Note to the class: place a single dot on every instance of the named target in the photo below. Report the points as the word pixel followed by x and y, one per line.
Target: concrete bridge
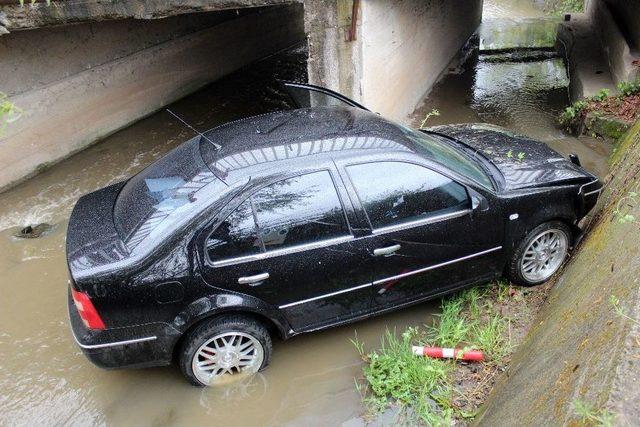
pixel 84 69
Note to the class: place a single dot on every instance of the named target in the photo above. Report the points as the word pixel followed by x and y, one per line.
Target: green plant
pixel 394 373
pixel 590 416
pixel 433 113
pixel 426 387
pixel 628 88
pixel 9 113
pixel 621 211
pixel 558 7
pixel 602 95
pixel 615 302
pixel 572 111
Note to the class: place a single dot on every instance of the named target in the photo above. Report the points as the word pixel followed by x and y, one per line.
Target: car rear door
pixel 290 244
pixel 427 234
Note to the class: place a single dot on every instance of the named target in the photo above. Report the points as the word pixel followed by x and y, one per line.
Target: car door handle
pixel 386 251
pixel 253 280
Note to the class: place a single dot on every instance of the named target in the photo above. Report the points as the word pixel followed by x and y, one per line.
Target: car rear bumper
pixel 131 347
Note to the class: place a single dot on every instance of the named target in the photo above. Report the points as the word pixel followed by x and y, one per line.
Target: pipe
pixel 449 353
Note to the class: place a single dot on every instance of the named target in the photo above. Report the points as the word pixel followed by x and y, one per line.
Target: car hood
pixel 92 239
pixel 522 161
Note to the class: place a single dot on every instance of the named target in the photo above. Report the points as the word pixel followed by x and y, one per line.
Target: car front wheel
pixel 224 349
pixel 540 254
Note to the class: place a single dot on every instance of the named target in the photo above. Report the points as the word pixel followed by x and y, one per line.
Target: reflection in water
pixel 523 91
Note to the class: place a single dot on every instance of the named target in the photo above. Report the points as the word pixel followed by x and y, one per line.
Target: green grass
pixel 8 112
pixel 421 387
pixel 590 416
pixel 559 7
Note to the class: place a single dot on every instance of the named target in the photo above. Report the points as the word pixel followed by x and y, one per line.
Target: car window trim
pixel 284 251
pixel 419 222
pixel 408 224
pixel 278 252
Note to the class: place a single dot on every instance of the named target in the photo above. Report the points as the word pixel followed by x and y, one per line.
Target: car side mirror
pixel 478 201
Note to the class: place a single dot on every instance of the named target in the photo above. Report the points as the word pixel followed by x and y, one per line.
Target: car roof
pixel 260 143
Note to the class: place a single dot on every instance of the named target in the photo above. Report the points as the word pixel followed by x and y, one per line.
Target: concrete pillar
pixel 399 51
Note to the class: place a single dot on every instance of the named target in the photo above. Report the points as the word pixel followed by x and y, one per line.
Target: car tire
pixel 532 253
pixel 203 352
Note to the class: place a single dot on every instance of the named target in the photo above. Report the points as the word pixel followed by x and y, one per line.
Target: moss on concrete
pixel 581 348
pixel 605 126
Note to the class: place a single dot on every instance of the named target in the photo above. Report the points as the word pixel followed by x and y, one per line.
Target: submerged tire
pixel 540 254
pixel 224 349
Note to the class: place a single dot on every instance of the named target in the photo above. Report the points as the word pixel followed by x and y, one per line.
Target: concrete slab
pixel 588 65
pixel 585 344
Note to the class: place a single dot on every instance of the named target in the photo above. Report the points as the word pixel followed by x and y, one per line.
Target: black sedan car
pixel 300 220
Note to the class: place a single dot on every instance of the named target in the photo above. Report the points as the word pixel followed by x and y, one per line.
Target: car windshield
pixel 167 188
pixel 448 156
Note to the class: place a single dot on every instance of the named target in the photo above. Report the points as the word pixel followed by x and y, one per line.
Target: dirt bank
pixel 581 359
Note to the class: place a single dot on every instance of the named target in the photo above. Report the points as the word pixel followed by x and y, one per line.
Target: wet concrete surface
pixel 45 379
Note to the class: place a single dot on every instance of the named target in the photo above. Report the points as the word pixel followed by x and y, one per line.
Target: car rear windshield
pixel 166 188
pixel 448 156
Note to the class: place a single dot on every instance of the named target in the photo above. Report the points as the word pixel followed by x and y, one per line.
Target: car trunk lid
pixel 92 239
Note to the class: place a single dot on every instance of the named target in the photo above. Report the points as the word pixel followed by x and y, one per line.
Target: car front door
pixel 427 234
pixel 290 244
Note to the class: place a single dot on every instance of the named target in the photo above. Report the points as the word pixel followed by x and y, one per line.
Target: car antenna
pixel 218 146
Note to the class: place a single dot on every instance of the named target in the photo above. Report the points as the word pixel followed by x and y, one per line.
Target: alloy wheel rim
pixel 227 357
pixel 544 255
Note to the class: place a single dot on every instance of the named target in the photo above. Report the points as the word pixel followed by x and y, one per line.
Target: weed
pixel 558 7
pixel 520 156
pixel 623 207
pixel 615 302
pixel 602 95
pixel 9 113
pixel 590 416
pixel 510 154
pixel 395 373
pixel 490 337
pixel 424 388
pixel 628 88
pixel 433 113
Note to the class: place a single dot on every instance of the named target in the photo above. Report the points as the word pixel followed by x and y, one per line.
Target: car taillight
pixel 87 311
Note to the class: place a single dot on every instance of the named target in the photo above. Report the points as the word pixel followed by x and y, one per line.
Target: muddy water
pixel 523 90
pixel 44 379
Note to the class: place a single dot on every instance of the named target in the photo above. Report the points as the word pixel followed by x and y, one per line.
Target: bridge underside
pixel 84 69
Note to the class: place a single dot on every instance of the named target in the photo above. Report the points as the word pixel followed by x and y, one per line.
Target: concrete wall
pixel 583 346
pixel 400 48
pixel 617 23
pixel 406 45
pixel 79 83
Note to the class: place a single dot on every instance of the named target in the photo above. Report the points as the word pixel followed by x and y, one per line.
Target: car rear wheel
pixel 540 254
pixel 224 350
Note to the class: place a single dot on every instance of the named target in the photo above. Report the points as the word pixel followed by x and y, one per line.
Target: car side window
pixel 396 192
pixel 299 210
pixel 236 236
pixel 291 212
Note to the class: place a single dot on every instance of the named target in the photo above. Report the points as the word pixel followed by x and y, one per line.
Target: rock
pixel 32 232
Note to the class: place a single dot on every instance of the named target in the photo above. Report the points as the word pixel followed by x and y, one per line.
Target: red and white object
pixel 449 353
